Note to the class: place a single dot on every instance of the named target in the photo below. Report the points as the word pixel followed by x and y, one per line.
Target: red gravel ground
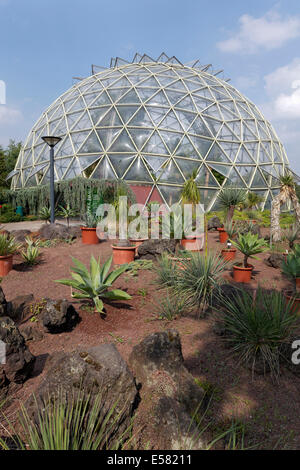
pixel 269 410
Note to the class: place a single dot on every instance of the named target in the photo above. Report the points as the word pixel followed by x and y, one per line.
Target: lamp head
pixel 51 140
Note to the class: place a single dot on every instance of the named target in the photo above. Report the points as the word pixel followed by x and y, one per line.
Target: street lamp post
pixel 52 141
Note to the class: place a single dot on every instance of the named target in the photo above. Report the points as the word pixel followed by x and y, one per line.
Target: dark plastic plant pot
pixel 293 297
pixel 89 236
pixel 241 274
pixel 123 254
pixel 223 235
pixel 6 263
pixel 229 255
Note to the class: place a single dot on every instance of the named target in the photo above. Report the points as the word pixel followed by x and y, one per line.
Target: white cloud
pixel 9 115
pixel 268 32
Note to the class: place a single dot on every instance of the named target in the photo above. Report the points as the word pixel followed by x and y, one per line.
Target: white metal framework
pixel 153 122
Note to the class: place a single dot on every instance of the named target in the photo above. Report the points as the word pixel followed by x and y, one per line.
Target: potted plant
pixel 231 230
pixel 291 269
pixel 123 252
pixel 249 245
pixel 229 199
pixel 88 230
pixel 182 255
pixel 191 195
pixel 8 247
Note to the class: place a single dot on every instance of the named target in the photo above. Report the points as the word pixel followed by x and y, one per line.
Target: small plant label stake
pixel 2 352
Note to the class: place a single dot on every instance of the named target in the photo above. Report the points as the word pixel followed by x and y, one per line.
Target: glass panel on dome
pixel 201 103
pixel 170 194
pixel 141 119
pixel 247 134
pixel 139 136
pixel 80 104
pixel 165 81
pixel 252 150
pixel 130 97
pixel 222 169
pixel 187 166
pixel 111 119
pixel 159 99
pixel 178 85
pixel 207 196
pixel 246 173
pixel 244 157
pixel 174 96
pixel 72 118
pixel 170 122
pixel 201 145
pixel 186 149
pixel 116 93
pixel 263 156
pixel 205 177
pixel 185 118
pixel 199 127
pixel 74 169
pixel 186 103
pixel 231 149
pixel 226 134
pixel 96 87
pixel 98 113
pixel 126 112
pixel 58 111
pixel 107 136
pixel 213 125
pixel 155 145
pixel 87 161
pixel 235 126
pixel 192 86
pixel 104 170
pixel 214 112
pixel 60 165
pixel 170 174
pixel 89 98
pixel 122 143
pixel 205 93
pixel 121 162
pixel 122 82
pixel 155 162
pixel 227 113
pixel 216 155
pixel 145 93
pixel 258 180
pixel 78 138
pixel 91 145
pixel 149 82
pixel 101 100
pixel 234 179
pixel 171 139
pixel 68 104
pixel 65 148
pixel 277 152
pixel 61 128
pixel 138 172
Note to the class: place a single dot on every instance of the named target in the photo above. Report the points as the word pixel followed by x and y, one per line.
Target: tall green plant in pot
pixel 8 246
pixel 249 245
pixel 190 194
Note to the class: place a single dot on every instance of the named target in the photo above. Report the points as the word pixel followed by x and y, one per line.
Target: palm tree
pixel 229 198
pixel 287 193
pixel 253 199
pixel 190 193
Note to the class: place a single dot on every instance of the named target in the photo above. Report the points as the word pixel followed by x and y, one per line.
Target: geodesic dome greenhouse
pixel 151 123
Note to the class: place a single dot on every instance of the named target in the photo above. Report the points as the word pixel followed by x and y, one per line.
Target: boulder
pixel 275 260
pixel 150 249
pixel 169 394
pixel 19 360
pixel 3 303
pixel 31 332
pixel 99 371
pixel 214 223
pixel 59 316
pixel 74 231
pixel 19 307
pixel 54 231
pixel 20 235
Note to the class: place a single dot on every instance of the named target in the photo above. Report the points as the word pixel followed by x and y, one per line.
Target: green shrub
pixel 170 306
pixel 166 271
pixel 258 327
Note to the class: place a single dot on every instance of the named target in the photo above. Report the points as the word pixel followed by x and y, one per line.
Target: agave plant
pixel 95 284
pixel 291 266
pixel 8 245
pixel 32 253
pixel 250 245
pixel 229 199
pixel 45 213
pixel 292 234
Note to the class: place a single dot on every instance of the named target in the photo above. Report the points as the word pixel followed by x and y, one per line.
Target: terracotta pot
pixel 6 263
pixel 179 261
pixel 292 296
pixel 89 236
pixel 137 242
pixel 123 254
pixel 229 255
pixel 223 235
pixel 191 244
pixel 241 274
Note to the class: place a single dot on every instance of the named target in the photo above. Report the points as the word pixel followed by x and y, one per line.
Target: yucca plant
pixel 291 267
pixel 170 306
pixel 199 277
pixel 258 326
pixel 231 228
pixel 166 271
pixel 292 234
pixel 250 245
pixel 95 284
pixel 76 423
pixel 67 213
pixel 8 245
pixel 190 193
pixel 229 199
pixel 32 253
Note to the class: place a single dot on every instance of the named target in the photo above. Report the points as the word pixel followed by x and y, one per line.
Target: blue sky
pixel 45 43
